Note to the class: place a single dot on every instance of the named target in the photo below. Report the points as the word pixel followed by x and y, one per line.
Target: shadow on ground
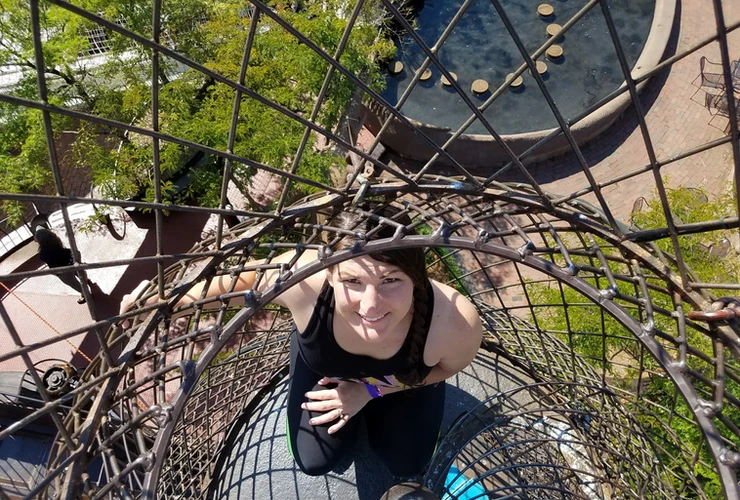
pixel 258 464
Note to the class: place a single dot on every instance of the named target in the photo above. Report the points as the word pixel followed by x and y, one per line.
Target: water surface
pixel 480 47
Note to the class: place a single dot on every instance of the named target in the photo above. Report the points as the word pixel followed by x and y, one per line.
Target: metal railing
pixel 596 312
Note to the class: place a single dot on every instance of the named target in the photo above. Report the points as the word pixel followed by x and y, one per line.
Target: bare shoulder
pixel 302 294
pixel 455 332
pixel 454 308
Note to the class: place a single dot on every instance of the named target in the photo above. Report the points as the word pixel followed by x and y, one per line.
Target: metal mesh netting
pixel 633 380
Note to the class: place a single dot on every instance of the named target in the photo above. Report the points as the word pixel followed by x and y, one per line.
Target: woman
pixel 373 336
pixel 53 253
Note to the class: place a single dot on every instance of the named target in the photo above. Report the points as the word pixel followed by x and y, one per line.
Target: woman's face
pixel 371 296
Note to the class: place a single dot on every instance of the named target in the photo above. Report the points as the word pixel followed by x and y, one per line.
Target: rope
pixel 77 350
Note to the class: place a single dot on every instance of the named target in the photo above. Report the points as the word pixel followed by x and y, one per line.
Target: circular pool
pixel 480 47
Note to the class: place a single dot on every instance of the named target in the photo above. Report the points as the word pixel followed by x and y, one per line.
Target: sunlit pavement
pixel 43 307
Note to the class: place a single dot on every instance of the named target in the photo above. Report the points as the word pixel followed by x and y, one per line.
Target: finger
pixel 328 380
pixel 342 420
pixel 320 405
pixel 324 418
pixel 128 299
pixel 125 303
pixel 323 395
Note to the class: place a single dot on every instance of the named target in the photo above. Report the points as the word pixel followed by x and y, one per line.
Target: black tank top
pixel 322 353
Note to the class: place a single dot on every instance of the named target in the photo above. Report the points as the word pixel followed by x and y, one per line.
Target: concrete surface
pixel 259 464
pixel 43 307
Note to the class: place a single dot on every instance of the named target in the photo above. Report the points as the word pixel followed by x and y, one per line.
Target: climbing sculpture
pixel 632 385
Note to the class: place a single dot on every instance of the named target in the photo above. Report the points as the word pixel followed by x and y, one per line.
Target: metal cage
pixel 631 357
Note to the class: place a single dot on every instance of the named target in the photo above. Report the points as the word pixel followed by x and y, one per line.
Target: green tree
pixel 192 106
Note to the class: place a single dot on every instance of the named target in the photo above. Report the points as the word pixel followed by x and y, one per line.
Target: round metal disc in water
pixel 554 51
pixel 445 81
pixel 517 82
pixel 545 10
pixel 552 29
pixel 479 86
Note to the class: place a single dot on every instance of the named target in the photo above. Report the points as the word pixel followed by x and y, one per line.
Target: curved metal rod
pixel 194 370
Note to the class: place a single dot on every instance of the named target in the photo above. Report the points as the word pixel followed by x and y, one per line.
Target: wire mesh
pixel 635 394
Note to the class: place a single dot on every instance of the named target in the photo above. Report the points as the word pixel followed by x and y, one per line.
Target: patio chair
pixel 719 103
pixel 712 76
pixel 710 80
pixel 710 102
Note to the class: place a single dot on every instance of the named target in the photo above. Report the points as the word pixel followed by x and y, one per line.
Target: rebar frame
pixel 149 416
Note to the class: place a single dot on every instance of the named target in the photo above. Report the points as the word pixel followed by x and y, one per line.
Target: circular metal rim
pixel 687 391
pixel 591 221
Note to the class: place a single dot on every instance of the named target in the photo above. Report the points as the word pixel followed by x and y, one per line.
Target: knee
pixel 314 468
pixel 311 461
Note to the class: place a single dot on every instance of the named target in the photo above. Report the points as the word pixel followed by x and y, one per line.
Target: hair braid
pixel 416 338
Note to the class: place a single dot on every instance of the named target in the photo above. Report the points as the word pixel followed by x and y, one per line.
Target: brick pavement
pixel 675 121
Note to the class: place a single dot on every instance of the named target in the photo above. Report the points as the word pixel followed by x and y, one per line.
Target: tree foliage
pixel 192 106
pixel 665 416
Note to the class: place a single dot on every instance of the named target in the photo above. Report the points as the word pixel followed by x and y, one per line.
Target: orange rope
pixel 138 402
pixel 46 322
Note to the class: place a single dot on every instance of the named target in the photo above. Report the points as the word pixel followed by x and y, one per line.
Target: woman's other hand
pixel 128 300
pixel 341 403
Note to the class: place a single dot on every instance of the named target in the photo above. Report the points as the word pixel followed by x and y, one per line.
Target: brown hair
pixel 411 262
pixel 47 239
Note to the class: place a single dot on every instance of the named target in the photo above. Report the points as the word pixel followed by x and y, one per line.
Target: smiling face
pixel 373 298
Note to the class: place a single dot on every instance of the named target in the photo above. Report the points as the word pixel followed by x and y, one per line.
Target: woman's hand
pixel 128 300
pixel 342 402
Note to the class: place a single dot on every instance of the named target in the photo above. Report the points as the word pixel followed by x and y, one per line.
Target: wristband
pixel 374 390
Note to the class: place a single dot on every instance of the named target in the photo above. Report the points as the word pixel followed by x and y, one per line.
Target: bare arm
pixel 219 285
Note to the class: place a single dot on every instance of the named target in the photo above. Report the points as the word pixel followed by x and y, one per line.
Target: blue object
pixel 459 487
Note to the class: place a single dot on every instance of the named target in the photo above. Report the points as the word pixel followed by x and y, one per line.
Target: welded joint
pixel 362 190
pixel 250 298
pixel 399 233
pixel 323 253
pixel 707 408
pixel 215 333
pixel 146 461
pixel 648 327
pixel 571 269
pixel 285 271
pixel 482 238
pixel 729 458
pixel 609 292
pixel 248 248
pixel 442 232
pixel 680 365
pixel 526 249
pixel 163 415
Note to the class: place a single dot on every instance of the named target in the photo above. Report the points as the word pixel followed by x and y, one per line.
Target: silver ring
pixel 341 413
